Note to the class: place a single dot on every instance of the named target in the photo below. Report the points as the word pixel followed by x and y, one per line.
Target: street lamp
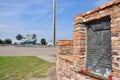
pixel 54 22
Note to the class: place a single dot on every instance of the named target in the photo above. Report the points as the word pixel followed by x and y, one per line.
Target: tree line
pixel 6 41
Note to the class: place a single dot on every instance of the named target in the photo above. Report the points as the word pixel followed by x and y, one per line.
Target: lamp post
pixel 54 22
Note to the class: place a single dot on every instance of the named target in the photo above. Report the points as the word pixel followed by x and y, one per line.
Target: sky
pixel 35 17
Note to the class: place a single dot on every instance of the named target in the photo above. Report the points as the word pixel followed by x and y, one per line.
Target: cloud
pixel 100 2
pixel 3 26
pixel 21 7
pixel 28 16
pixel 17 8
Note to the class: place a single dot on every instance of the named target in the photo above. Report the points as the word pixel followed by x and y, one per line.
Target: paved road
pixel 44 53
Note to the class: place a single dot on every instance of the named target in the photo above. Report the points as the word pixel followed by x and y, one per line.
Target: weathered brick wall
pixel 72 54
pixel 68 67
pixel 115 37
pixel 65 47
pixel 79 39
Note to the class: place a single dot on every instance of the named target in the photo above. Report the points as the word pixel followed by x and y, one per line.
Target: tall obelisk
pixel 54 22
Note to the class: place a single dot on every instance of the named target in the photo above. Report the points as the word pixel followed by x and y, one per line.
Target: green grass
pixel 22 68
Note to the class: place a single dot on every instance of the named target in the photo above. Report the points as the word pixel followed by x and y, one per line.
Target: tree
pixel 7 41
pixel 10 41
pixel 43 41
pixel 0 41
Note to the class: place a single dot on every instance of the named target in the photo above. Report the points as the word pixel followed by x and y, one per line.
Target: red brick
pixel 116 48
pixel 65 43
pixel 115 53
pixel 118 59
pixel 115 64
pixel 113 59
pixel 82 50
pixel 115 34
pixel 117 24
pixel 115 20
pixel 116 1
pixel 116 70
pixel 96 9
pixel 103 6
pixel 113 15
pixel 109 3
pixel 115 74
pixel 115 43
pixel 116 29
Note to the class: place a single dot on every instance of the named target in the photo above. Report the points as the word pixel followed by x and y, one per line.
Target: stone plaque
pixel 99 46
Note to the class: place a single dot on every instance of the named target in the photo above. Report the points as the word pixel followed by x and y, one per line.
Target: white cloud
pixel 12 10
pixel 17 8
pixel 100 2
pixel 3 26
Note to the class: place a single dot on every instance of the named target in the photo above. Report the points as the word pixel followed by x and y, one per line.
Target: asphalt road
pixel 43 53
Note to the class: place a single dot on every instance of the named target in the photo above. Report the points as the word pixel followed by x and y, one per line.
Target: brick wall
pixel 71 56
pixel 65 47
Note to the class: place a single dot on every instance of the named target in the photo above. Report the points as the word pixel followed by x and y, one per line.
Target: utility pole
pixel 54 22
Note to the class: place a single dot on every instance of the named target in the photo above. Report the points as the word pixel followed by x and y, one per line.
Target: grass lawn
pixel 22 68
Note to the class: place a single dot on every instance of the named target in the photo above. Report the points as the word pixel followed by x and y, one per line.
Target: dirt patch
pixel 51 75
